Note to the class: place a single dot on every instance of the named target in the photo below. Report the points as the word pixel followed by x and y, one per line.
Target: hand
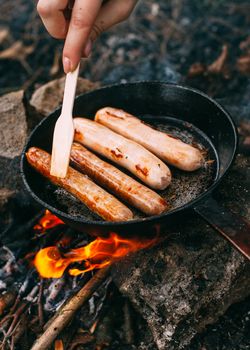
pixel 87 20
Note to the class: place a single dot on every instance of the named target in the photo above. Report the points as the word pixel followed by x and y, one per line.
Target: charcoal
pixel 189 280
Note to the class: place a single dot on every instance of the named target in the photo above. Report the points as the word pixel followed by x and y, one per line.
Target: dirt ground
pixel 202 43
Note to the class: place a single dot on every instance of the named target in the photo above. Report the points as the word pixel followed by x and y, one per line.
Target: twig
pixel 128 324
pixel 19 330
pixel 65 314
pixel 40 305
pixel 12 325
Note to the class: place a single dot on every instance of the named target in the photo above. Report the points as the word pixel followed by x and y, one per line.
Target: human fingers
pixel 111 13
pixel 82 19
pixel 51 13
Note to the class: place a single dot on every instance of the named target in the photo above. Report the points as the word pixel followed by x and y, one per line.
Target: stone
pixel 13 135
pixel 13 131
pixel 190 279
pixel 49 96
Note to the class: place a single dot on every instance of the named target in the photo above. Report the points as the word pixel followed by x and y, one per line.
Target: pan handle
pixel 234 228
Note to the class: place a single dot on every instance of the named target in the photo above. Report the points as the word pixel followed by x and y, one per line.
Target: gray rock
pixel 191 278
pixel 49 96
pixel 13 135
pixel 13 131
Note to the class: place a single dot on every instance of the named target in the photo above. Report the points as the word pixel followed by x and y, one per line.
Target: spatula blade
pixel 64 128
pixel 62 142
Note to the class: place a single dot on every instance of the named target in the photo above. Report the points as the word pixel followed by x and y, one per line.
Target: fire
pixel 51 263
pixel 47 221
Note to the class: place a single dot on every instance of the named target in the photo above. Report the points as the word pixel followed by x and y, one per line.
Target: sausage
pixel 128 154
pixel 120 184
pixel 166 147
pixel 80 186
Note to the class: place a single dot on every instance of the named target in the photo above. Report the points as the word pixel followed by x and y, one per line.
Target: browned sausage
pixel 122 185
pixel 80 186
pixel 128 154
pixel 166 147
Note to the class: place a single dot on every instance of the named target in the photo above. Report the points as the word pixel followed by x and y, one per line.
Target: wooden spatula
pixel 64 129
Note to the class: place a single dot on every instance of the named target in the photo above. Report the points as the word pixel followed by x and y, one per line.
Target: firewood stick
pixel 19 330
pixel 66 313
pixel 128 324
pixel 39 303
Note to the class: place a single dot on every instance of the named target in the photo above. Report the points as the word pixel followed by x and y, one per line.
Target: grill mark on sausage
pixel 78 136
pixel 116 153
pixel 162 201
pixel 141 170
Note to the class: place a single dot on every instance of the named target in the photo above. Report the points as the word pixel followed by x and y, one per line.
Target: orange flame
pixel 47 221
pixel 50 263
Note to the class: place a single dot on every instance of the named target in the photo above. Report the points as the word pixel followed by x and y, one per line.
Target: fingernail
pixel 67 66
pixel 88 48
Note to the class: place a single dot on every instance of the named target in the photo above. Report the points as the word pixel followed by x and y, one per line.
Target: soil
pixel 162 40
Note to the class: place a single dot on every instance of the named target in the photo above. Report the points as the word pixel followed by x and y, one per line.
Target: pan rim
pixel 189 205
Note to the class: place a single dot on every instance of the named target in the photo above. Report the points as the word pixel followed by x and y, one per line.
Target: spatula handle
pixel 69 92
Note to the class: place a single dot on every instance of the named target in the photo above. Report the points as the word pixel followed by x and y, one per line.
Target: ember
pixel 47 221
pixel 50 263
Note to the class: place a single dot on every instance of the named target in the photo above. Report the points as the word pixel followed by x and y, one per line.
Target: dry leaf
pixel 17 51
pixel 243 64
pixel 4 34
pixel 196 69
pixel 217 67
pixel 245 44
pixel 219 64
